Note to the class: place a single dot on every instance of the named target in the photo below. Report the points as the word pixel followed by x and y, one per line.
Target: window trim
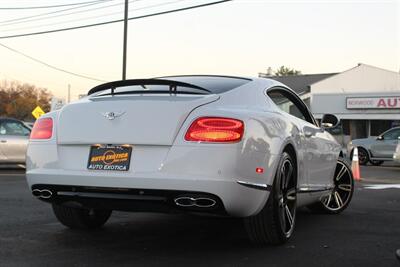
pixel 293 97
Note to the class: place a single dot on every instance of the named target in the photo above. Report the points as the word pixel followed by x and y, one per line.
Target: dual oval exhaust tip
pixel 42 193
pixel 199 202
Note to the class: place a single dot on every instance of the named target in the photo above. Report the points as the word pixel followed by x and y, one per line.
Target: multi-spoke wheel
pixel 340 196
pixel 363 157
pixel 275 222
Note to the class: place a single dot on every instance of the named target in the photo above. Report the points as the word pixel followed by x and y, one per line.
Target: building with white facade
pixel 365 98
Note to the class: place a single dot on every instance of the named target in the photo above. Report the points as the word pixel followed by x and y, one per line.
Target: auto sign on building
pixel 365 98
pixel 373 102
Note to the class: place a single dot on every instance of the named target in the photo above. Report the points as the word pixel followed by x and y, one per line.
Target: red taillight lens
pixel 214 129
pixel 42 129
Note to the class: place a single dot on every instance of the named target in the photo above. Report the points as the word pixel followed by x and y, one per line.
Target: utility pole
pixel 125 41
pixel 69 93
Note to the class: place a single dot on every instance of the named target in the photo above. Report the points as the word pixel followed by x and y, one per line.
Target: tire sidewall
pixel 364 151
pixel 275 196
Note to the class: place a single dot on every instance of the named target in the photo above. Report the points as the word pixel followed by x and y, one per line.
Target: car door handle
pixel 308 134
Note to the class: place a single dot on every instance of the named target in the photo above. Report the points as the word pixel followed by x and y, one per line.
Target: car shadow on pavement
pixel 153 239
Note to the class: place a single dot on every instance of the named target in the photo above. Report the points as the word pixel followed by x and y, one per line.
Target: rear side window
pixel 13 128
pixel 288 102
pixel 286 105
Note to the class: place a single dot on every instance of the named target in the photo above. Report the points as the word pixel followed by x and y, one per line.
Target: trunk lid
pixel 144 120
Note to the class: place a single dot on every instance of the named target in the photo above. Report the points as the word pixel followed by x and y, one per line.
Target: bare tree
pixel 17 100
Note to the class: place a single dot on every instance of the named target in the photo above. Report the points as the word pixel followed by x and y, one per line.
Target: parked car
pixel 374 149
pixel 14 136
pixel 229 146
pixel 396 155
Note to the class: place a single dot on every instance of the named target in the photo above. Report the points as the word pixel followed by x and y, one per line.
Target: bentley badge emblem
pixel 112 115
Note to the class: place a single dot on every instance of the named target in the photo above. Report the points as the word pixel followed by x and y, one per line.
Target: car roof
pixel 9 119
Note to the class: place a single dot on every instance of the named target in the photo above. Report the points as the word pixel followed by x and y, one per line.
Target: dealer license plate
pixel 109 158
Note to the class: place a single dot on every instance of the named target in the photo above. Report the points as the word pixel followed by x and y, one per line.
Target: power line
pixel 115 21
pixel 51 66
pixel 25 19
pixel 41 7
pixel 92 17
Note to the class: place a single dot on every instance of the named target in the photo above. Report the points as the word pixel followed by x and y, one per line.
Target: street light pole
pixel 125 41
pixel 69 93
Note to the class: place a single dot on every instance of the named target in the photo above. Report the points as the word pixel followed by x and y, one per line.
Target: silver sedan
pixel 396 155
pixel 14 136
pixel 374 149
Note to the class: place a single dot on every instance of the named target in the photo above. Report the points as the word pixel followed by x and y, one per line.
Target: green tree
pixel 285 71
pixel 17 100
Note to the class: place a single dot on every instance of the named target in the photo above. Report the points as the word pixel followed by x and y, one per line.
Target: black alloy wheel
pixel 287 197
pixel 274 224
pixel 363 157
pixel 340 196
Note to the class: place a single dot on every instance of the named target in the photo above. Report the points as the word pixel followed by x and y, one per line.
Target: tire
pixel 341 195
pixel 76 218
pixel 274 224
pixel 376 162
pixel 363 157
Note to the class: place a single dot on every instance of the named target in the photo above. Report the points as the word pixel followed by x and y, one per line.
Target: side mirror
pixel 379 137
pixel 329 121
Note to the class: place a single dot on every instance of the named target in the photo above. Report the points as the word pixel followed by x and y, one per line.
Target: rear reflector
pixel 215 129
pixel 42 129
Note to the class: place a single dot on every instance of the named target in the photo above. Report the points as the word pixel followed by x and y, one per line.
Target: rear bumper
pixel 232 198
pixel 124 199
pixel 206 168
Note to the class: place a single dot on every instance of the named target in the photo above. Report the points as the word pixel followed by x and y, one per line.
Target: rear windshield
pixel 215 84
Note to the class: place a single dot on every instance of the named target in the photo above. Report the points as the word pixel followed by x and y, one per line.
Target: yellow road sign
pixel 37 112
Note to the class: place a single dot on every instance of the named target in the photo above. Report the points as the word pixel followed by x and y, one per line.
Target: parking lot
pixel 366 234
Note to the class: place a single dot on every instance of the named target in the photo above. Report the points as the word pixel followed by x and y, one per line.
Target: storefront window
pixel 345 126
pixel 358 129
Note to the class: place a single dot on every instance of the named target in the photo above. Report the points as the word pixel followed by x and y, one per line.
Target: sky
pixel 241 37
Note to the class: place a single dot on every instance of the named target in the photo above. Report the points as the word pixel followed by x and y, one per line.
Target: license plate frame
pixel 109 158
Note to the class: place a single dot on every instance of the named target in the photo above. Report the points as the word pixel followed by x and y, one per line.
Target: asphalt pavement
pixel 366 234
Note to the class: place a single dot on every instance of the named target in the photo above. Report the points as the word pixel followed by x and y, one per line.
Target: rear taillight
pixel 215 129
pixel 42 129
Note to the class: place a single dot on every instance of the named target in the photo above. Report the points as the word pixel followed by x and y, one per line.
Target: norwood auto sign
pixel 386 102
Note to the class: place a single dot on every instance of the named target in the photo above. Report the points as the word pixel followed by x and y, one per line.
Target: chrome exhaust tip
pixel 44 193
pixel 203 202
pixel 36 192
pixel 200 202
pixel 184 201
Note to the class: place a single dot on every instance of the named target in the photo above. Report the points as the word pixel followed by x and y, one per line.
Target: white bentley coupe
pixel 229 146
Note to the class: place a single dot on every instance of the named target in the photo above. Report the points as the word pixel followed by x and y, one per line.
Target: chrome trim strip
pixel 109 196
pixel 313 190
pixel 259 186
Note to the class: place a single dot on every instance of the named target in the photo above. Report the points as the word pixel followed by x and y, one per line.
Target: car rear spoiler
pixel 143 82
